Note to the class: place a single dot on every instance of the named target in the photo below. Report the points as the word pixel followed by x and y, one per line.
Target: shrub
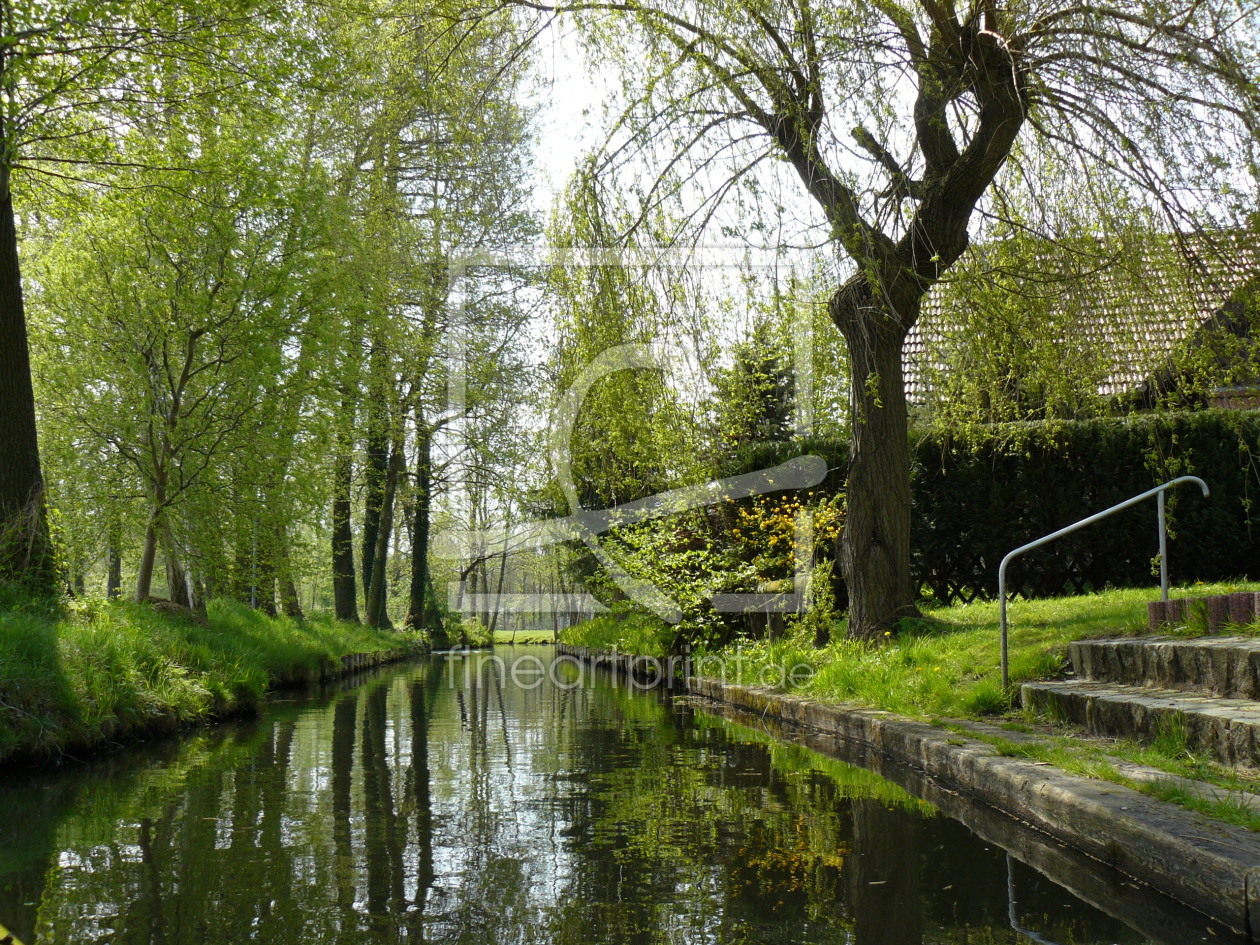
pixel 472 632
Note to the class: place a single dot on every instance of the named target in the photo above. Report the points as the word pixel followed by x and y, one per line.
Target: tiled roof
pixel 1136 318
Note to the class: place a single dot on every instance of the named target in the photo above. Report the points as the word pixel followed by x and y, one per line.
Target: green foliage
pixel 1223 353
pixel 683 559
pixel 1019 327
pixel 634 433
pixel 977 499
pixel 1026 329
pixel 625 631
pixel 473 633
pixel 754 397
pixel 95 672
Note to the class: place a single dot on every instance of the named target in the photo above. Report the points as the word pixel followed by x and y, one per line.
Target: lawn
pixel 522 637
pixel 945 665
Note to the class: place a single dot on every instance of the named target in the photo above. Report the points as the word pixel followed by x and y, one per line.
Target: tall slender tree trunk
pixel 376 614
pixel 25 547
pixel 498 595
pixel 345 589
pixel 483 581
pixel 148 555
pixel 418 610
pixel 290 602
pixel 179 583
pixel 243 575
pixel 376 470
pixel 113 567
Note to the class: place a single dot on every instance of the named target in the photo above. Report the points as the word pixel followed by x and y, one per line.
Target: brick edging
pixel 1209 866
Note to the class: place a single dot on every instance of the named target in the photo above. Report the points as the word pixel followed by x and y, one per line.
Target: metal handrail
pixel 1163 550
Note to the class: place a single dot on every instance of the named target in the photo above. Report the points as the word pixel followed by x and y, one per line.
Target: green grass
pixel 625 632
pixel 948 663
pixel 84 674
pixel 523 637
pixel 944 665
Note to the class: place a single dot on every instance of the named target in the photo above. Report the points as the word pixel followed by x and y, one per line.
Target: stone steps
pixel 1227 729
pixel 1222 666
pixel 1200 693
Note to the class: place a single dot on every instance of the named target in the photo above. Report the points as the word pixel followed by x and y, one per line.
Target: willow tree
pixel 902 121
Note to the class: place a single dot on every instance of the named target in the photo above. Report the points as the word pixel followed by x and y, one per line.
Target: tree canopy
pixel 909 126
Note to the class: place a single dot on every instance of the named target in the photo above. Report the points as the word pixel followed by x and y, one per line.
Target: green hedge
pixel 975 499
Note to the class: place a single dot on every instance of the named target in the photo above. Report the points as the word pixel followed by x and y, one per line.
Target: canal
pixel 449 801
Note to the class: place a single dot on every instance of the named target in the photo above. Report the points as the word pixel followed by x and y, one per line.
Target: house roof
pixel 1135 314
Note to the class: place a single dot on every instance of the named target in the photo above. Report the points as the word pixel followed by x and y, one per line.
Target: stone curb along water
pixel 1212 867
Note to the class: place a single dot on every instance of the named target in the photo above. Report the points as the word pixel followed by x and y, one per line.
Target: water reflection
pixel 441 803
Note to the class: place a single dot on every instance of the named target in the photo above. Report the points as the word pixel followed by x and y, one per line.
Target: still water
pixel 441 802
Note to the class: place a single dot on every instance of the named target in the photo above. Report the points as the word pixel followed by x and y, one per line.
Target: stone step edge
pixel 1123 692
pixel 1227 729
pixel 1163 848
pixel 1232 647
pixel 1143 774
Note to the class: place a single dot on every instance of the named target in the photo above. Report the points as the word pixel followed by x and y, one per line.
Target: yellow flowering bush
pixel 765 529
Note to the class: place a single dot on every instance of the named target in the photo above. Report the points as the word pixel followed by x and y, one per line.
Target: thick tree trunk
pixel 289 598
pixel 290 602
pixel 345 590
pixel 178 582
pixel 244 587
pixel 25 548
pixel 376 615
pixel 265 569
pixel 875 548
pixel 418 610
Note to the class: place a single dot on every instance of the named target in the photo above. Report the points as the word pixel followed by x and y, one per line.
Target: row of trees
pixel 247 308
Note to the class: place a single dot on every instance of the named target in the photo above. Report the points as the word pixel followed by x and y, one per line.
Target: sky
pixel 571 91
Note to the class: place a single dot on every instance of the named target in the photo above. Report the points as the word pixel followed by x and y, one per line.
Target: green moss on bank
pixel 82 675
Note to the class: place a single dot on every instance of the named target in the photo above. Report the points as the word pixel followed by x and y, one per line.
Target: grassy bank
pixel 83 675
pixel 943 666
pixel 524 637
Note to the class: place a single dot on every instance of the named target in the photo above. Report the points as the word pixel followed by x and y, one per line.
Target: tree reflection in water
pixel 441 803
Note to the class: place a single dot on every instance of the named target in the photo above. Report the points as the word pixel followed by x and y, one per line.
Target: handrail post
pixel 1163 550
pixel 1006 674
pixel 1158 491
